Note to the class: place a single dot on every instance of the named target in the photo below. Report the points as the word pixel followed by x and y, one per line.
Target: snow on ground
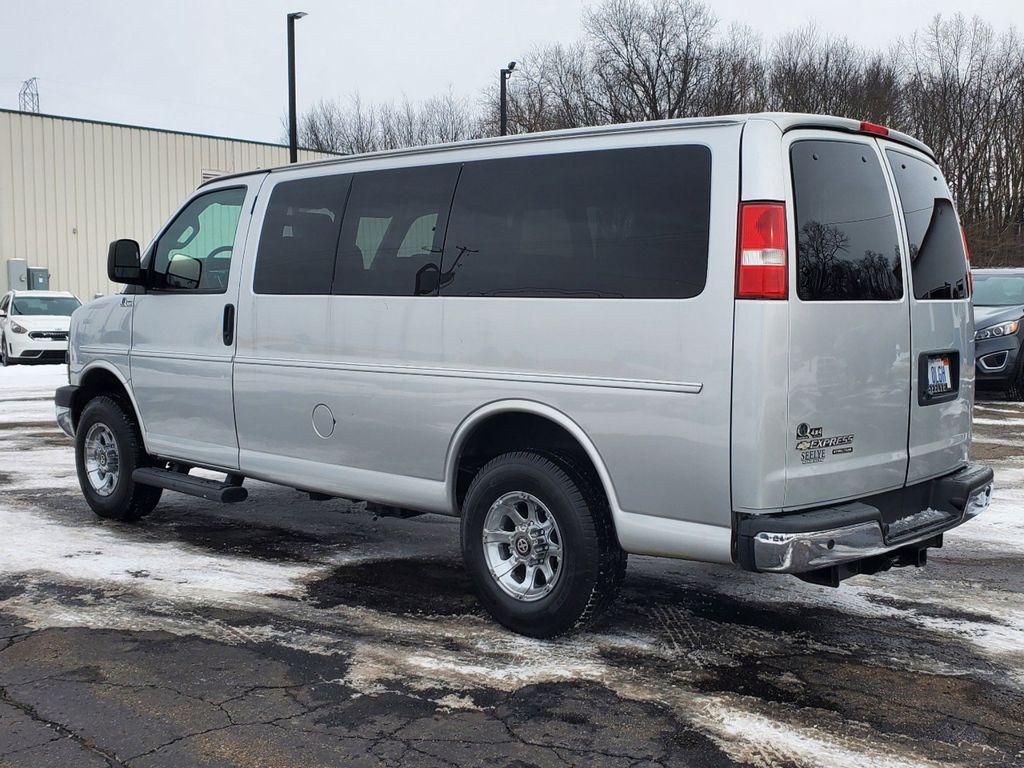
pixel 20 382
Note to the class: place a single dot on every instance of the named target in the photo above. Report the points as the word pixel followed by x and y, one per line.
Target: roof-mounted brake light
pixel 877 130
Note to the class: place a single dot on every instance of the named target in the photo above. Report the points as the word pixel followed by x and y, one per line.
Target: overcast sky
pixel 213 66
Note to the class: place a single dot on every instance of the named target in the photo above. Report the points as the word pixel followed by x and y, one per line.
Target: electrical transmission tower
pixel 28 96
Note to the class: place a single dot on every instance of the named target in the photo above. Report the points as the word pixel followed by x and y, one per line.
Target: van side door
pixel 339 315
pixel 183 329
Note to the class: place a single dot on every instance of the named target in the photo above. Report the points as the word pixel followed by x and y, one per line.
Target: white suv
pixel 34 325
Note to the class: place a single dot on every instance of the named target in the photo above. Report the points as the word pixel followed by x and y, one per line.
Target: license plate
pixel 939 378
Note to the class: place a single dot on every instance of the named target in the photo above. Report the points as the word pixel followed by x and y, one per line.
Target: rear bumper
pixel 896 523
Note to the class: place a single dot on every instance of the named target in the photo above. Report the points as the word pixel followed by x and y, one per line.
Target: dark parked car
pixel 998 313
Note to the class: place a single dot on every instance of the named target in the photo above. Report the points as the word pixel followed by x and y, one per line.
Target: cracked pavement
pixel 287 632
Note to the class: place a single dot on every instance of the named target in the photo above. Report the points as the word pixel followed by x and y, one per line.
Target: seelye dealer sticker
pixel 814 446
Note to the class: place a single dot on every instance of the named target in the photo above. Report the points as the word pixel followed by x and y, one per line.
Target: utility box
pixel 17 275
pixel 38 279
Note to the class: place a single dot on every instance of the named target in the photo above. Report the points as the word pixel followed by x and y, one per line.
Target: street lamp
pixel 505 74
pixel 293 138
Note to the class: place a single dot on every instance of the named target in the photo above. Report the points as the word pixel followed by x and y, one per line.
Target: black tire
pixel 127 501
pixel 593 565
pixel 5 359
pixel 1015 391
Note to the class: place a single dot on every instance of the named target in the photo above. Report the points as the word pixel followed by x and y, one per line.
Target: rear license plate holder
pixel 938 377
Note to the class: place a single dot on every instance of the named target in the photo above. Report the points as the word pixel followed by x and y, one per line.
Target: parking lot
pixel 285 631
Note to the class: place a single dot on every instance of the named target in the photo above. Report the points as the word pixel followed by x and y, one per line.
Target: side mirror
pixel 184 272
pixel 124 263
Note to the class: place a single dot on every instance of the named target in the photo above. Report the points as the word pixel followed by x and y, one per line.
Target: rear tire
pixel 108 448
pixel 530 489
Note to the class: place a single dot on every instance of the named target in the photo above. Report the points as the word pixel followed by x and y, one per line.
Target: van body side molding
pixel 650 385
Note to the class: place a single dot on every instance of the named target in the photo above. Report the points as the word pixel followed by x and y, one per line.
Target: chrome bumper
pixel 775 552
pixel 64 420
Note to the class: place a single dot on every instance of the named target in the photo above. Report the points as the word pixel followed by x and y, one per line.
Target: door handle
pixel 229 324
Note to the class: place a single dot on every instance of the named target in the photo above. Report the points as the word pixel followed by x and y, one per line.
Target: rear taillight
pixel 874 128
pixel 761 259
pixel 967 254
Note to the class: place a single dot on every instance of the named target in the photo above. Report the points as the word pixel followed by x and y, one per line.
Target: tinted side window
pixel 938 266
pixel 300 236
pixel 394 231
pixel 847 242
pixel 625 223
pixel 194 252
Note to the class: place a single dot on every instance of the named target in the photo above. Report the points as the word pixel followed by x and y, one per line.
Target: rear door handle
pixel 229 324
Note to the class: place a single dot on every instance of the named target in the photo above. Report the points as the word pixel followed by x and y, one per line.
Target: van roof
pixel 786 121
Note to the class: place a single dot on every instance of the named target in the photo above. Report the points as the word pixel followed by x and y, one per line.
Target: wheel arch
pixel 478 420
pixel 101 377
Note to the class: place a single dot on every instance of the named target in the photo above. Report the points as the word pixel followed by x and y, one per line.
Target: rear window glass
pixel 938 265
pixel 300 235
pixel 847 242
pixel 625 223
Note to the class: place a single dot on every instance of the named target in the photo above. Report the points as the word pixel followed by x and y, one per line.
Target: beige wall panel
pixel 68 187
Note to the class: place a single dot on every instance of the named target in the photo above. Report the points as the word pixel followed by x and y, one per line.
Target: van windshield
pixel 45 305
pixel 998 290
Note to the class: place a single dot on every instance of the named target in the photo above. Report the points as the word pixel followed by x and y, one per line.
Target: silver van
pixel 744 340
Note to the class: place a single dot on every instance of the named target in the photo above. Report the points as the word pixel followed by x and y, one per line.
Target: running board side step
pixel 229 491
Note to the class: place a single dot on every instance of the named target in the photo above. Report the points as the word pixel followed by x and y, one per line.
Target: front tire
pixel 108 448
pixel 1015 391
pixel 539 545
pixel 5 359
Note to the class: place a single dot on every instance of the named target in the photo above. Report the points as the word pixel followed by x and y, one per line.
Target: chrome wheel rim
pixel 102 461
pixel 522 546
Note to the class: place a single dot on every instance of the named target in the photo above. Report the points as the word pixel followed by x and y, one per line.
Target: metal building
pixel 68 187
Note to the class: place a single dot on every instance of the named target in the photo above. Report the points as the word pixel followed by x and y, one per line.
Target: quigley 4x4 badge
pixel 814 447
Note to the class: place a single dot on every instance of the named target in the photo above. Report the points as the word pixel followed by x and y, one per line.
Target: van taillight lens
pixel 761 262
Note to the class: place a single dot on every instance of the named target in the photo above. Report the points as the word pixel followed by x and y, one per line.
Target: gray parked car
pixel 743 340
pixel 998 310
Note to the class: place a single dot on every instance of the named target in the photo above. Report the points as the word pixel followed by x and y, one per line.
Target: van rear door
pixel 941 322
pixel 850 341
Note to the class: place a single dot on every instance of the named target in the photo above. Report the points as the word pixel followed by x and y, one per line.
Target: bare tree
pixel 330 126
pixel 963 94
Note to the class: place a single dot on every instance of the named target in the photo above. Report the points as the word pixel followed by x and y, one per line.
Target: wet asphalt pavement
pixel 287 632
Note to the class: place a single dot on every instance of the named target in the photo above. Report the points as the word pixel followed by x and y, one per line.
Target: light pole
pixel 505 74
pixel 293 138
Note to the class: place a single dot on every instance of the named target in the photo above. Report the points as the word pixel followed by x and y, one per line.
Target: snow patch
pixel 100 555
